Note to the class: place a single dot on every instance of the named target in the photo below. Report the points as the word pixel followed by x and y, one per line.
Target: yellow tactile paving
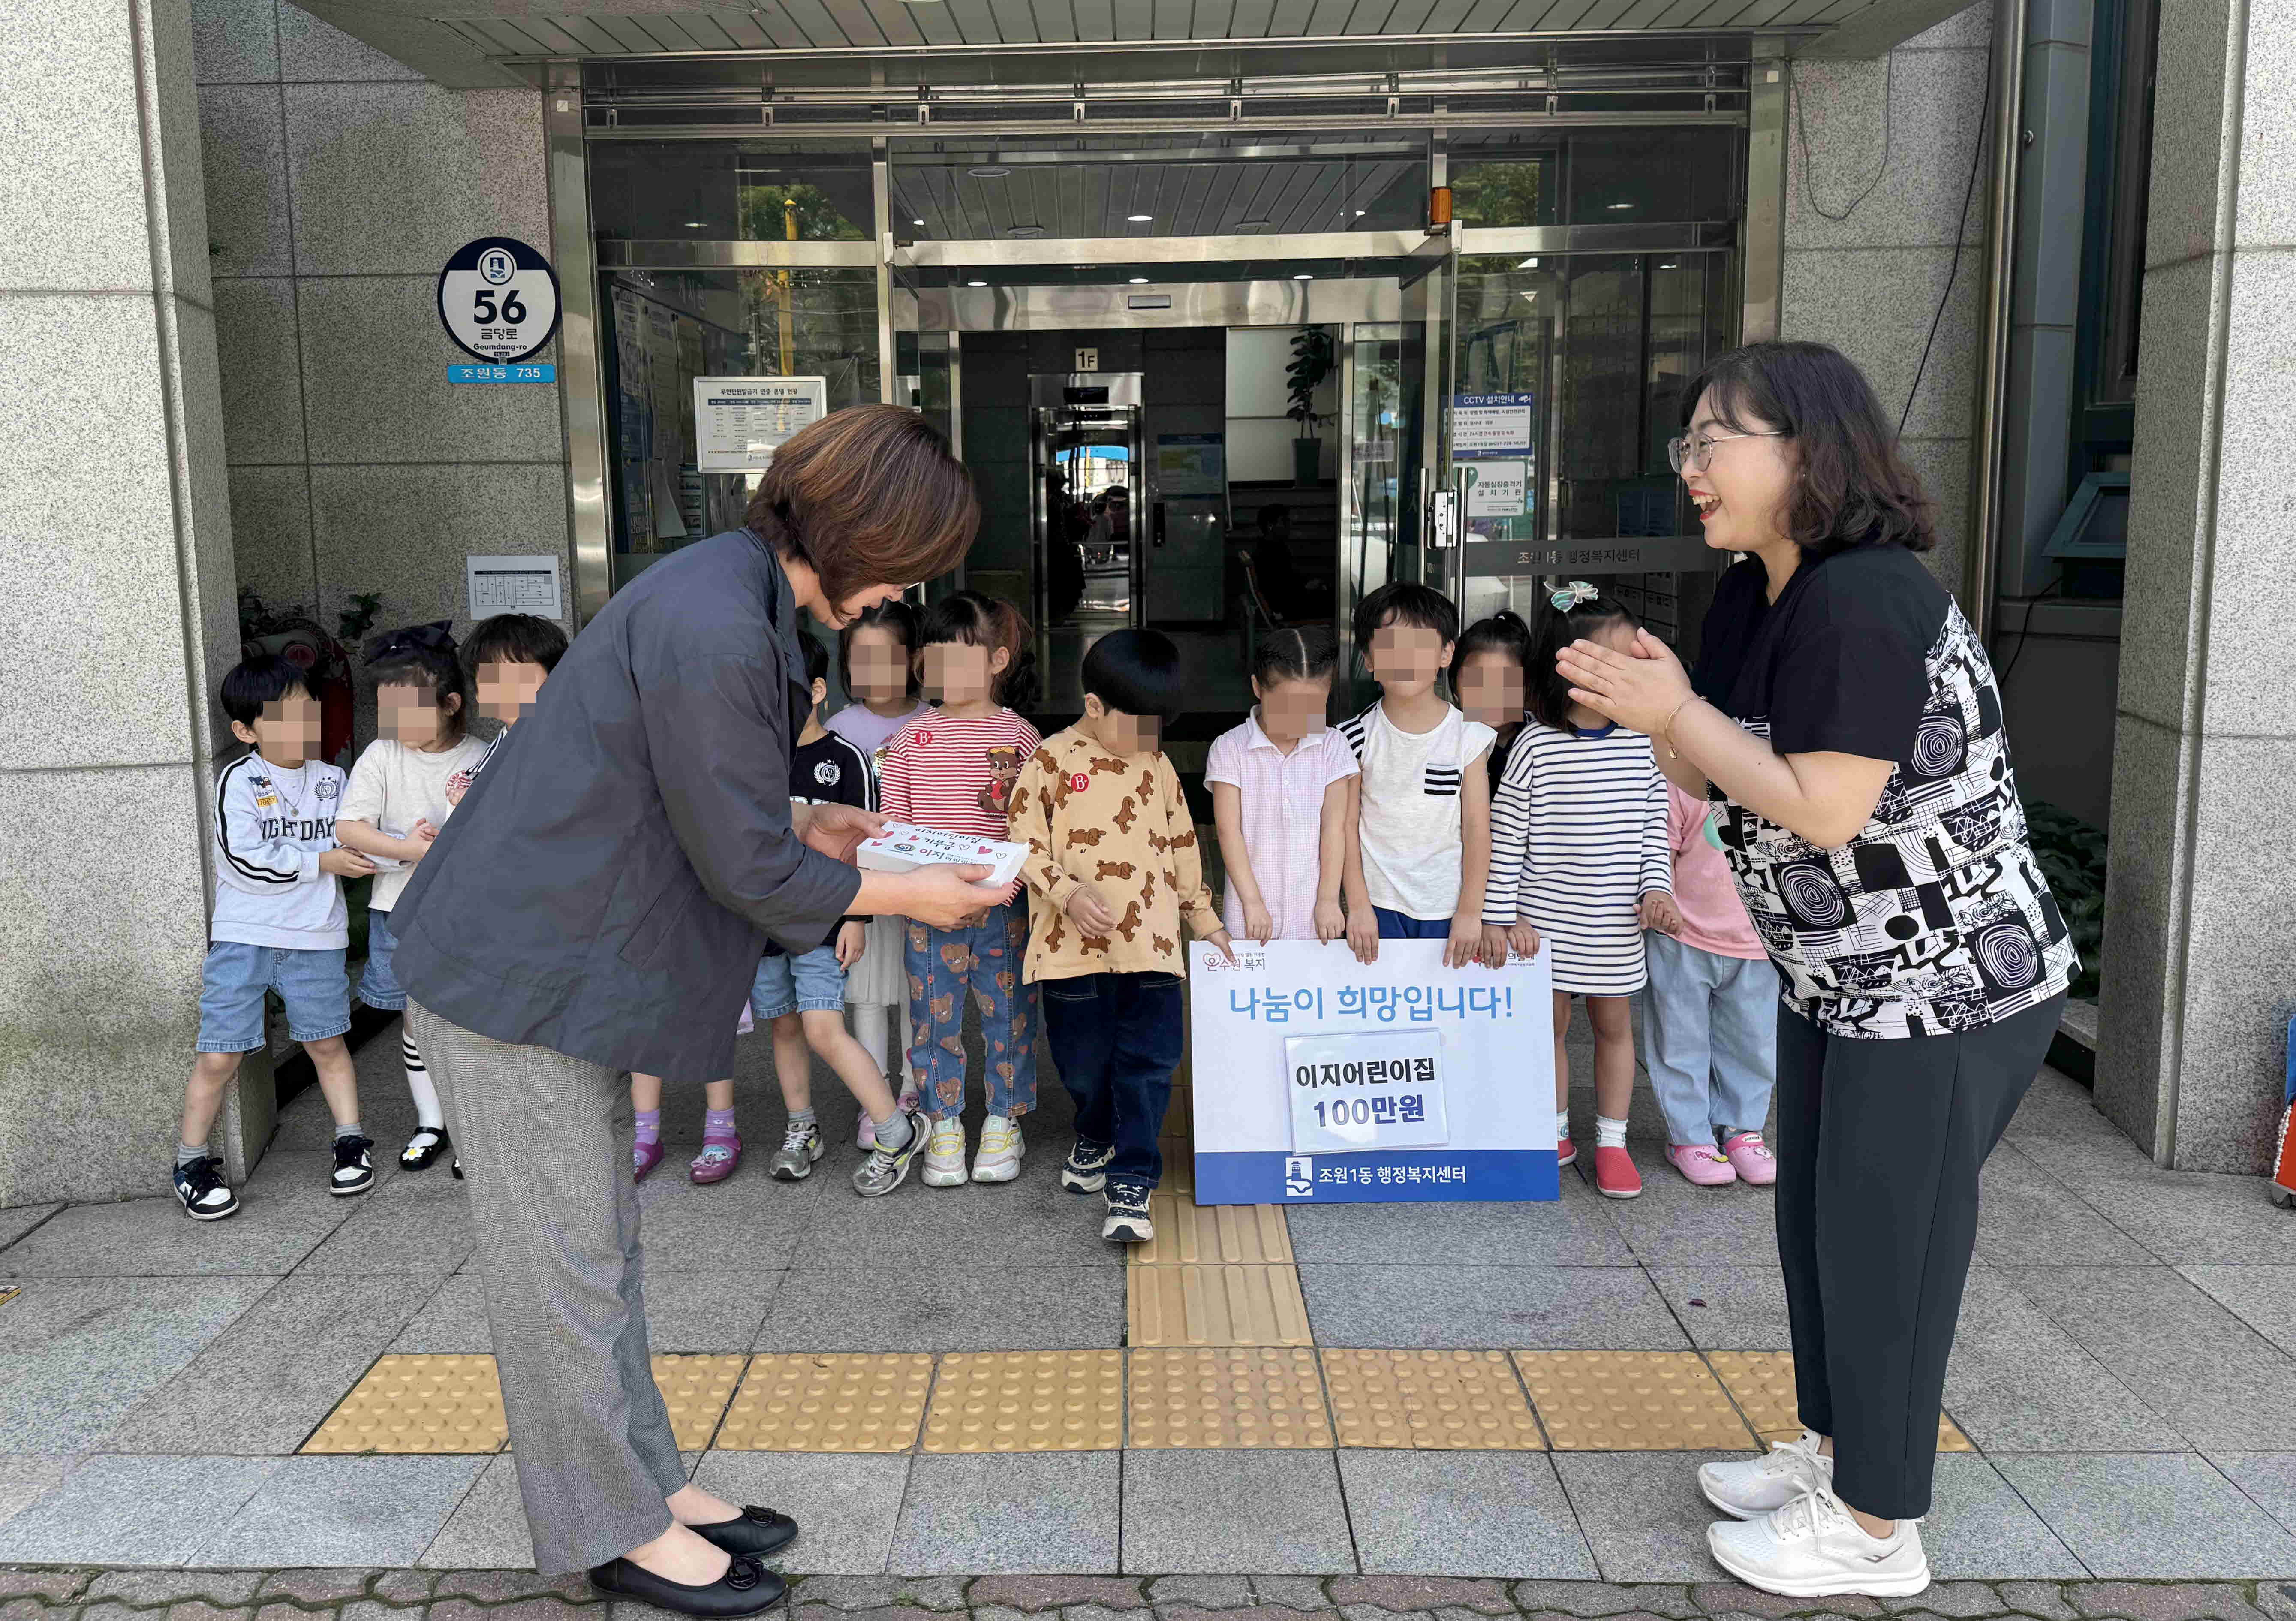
pixel 695 1389
pixel 1228 1399
pixel 806 1402
pixel 453 1405
pixel 1179 1114
pixel 418 1404
pixel 9 1292
pixel 1028 1402
pixel 1429 1400
pixel 1762 1382
pixel 1213 1235
pixel 1631 1402
pixel 1179 1165
pixel 1215 1305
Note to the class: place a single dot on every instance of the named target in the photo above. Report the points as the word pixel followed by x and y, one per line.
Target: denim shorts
pixel 232 984
pixel 785 985
pixel 379 987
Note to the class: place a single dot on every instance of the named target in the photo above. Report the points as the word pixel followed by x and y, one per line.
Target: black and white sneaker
pixel 1087 1167
pixel 1127 1216
pixel 354 1166
pixel 199 1184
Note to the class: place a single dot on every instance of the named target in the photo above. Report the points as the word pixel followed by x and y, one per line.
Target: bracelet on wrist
pixel 1666 732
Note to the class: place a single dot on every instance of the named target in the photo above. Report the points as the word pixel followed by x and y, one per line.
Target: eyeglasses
pixel 1693 449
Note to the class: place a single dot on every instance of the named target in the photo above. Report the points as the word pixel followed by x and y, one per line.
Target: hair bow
pixel 1568 597
pixel 436 635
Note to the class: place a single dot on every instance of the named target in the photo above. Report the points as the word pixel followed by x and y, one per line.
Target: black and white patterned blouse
pixel 1935 917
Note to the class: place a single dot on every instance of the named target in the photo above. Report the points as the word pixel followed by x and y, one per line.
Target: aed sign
pixel 498 300
pixel 1398 1080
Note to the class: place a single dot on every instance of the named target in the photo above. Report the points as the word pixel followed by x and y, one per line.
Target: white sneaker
pixel 945 1154
pixel 1001 1148
pixel 1812 1548
pixel 1750 1487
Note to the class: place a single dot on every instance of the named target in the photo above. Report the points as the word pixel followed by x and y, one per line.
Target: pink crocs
pixel 1700 1166
pixel 1752 1157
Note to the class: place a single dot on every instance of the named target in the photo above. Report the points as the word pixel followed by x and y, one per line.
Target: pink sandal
pixel 1700 1166
pixel 719 1158
pixel 644 1158
pixel 1752 1157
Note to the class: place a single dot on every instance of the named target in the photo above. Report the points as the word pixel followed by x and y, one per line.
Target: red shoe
pixel 1566 1154
pixel 1615 1176
pixel 644 1158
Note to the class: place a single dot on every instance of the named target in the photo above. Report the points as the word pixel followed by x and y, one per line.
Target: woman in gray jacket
pixel 598 904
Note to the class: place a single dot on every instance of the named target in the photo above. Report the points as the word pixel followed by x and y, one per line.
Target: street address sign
pixel 498 300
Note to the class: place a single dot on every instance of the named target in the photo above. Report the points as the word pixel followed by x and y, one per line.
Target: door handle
pixel 1158 527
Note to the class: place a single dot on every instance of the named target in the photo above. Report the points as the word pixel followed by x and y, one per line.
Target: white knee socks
pixel 428 1115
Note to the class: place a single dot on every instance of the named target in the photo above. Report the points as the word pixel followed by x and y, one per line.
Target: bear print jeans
pixel 942 965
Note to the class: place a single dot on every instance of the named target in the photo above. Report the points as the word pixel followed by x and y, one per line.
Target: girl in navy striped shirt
pixel 1579 852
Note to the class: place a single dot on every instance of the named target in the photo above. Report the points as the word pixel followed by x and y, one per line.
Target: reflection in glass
pixel 713 191
pixel 665 328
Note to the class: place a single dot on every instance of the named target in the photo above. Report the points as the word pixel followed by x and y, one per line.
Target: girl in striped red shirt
pixel 953 768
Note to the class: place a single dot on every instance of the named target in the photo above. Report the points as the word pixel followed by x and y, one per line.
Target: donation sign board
pixel 498 300
pixel 1433 1083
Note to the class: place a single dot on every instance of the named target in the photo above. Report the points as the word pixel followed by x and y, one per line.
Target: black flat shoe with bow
pixel 755 1530
pixel 745 1589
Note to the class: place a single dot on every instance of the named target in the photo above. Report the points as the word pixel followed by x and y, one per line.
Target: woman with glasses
pixel 1844 722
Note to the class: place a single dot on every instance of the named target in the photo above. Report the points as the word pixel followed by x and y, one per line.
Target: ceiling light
pixel 1670 264
pixel 1140 218
pixel 1529 263
pixel 976 283
pixel 1303 276
pixel 1138 281
pixel 988 171
pixel 917 222
pixel 1616 205
pixel 696 224
pixel 1253 225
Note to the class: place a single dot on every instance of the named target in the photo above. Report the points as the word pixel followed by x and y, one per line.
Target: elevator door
pixel 1087 522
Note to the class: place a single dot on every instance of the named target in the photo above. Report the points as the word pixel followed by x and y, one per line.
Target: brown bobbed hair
pixel 865 496
pixel 1852 486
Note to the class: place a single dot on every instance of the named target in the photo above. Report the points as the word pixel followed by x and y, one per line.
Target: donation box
pixel 1317 1078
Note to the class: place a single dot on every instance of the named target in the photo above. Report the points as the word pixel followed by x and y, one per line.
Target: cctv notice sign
pixel 1323 1080
pixel 498 300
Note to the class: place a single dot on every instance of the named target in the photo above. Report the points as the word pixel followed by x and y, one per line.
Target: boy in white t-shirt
pixel 1422 843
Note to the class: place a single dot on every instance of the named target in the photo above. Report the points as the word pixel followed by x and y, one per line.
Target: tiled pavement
pixel 2126 1378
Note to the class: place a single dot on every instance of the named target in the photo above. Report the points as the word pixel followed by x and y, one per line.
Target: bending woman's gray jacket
pixel 607 884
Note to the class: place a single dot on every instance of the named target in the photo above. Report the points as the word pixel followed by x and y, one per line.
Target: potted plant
pixel 1313 354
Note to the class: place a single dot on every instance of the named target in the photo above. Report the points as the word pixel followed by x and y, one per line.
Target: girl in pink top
pixel 1279 786
pixel 1709 1014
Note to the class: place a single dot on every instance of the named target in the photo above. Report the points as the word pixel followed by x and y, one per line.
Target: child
pixel 802 998
pixel 877 653
pixel 509 656
pixel 1579 852
pixel 1113 869
pixel 1416 866
pixel 391 810
pixel 1488 672
pixel 1711 1010
pixel 1279 786
pixel 952 769
pixel 279 925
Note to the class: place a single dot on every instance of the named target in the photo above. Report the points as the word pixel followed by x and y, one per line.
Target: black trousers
pixel 1879 1145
